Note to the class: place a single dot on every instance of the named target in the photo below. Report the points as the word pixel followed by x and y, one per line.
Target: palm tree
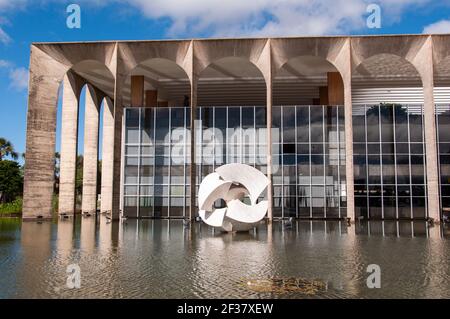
pixel 7 149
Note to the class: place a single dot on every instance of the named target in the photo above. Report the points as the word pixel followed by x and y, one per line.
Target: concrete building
pixel 342 126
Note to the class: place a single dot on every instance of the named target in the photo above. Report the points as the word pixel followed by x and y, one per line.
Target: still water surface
pixel 163 259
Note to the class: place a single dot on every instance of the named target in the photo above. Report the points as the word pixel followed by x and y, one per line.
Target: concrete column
pixel 424 63
pixel 344 61
pixel 137 90
pixel 120 75
pixel 335 94
pixel 193 167
pixel 90 160
pixel 107 156
pixel 69 136
pixel 151 98
pixel 348 113
pixel 323 95
pixel 269 146
pixel 45 77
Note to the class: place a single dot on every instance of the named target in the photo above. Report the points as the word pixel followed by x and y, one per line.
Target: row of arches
pixel 238 76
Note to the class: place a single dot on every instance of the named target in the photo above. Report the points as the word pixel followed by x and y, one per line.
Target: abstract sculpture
pixel 231 183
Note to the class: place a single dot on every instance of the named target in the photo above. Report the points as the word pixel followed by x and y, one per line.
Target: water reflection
pixel 166 259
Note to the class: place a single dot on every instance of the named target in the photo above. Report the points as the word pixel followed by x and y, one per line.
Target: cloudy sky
pixel 26 21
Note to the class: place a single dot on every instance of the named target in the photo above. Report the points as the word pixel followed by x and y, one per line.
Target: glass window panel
pixel 162 125
pixel 248 117
pixel 146 175
pixel 390 207
pixel 415 127
pixel 132 117
pixel 146 207
pixel 303 124
pixel 387 119
pixel 404 207
pixel 359 148
pixel 316 126
pixel 146 191
pixel 419 204
pixel 130 206
pixel 288 125
pixel 130 190
pixel 131 174
pixel 131 161
pixel 401 124
pixel 260 117
pixel 444 126
pixel 373 128
pixel 402 148
pixel 147 126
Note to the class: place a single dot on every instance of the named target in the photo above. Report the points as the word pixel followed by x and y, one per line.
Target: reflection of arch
pixel 231 81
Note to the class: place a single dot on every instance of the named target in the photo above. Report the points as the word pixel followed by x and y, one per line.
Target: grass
pixel 13 208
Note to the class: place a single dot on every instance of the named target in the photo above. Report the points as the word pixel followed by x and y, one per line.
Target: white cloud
pixel 5 64
pixel 19 78
pixel 268 17
pixel 442 26
pixel 4 37
pixel 255 17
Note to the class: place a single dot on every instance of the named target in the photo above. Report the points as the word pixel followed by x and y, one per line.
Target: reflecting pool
pixel 164 259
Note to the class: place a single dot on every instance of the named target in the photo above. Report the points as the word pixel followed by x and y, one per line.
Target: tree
pixel 11 181
pixel 57 161
pixel 7 149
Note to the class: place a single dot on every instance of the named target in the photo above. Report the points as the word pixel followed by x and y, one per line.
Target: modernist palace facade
pixel 344 127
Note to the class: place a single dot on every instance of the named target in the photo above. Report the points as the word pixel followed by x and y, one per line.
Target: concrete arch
pixel 97 75
pixel 330 49
pixel 256 51
pixel 49 66
pixel 132 54
pixel 387 64
pixel 160 74
pixel 386 71
pixel 98 82
pixel 68 55
pixel 418 52
pixel 305 74
pixel 248 85
pixel 410 48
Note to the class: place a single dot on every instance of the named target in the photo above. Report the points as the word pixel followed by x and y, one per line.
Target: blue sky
pixel 25 21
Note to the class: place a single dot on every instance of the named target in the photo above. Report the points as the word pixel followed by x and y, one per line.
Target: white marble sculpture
pixel 231 183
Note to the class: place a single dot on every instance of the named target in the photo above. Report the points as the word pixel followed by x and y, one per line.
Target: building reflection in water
pixel 162 258
pixel 393 228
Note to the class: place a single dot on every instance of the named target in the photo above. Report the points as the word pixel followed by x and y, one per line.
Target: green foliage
pixel 14 207
pixel 55 203
pixel 7 149
pixel 11 181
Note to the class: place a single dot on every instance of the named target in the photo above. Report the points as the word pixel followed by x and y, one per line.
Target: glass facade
pixel 443 139
pixel 389 161
pixel 308 158
pixel 156 162
pixel 230 135
pixel 309 162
